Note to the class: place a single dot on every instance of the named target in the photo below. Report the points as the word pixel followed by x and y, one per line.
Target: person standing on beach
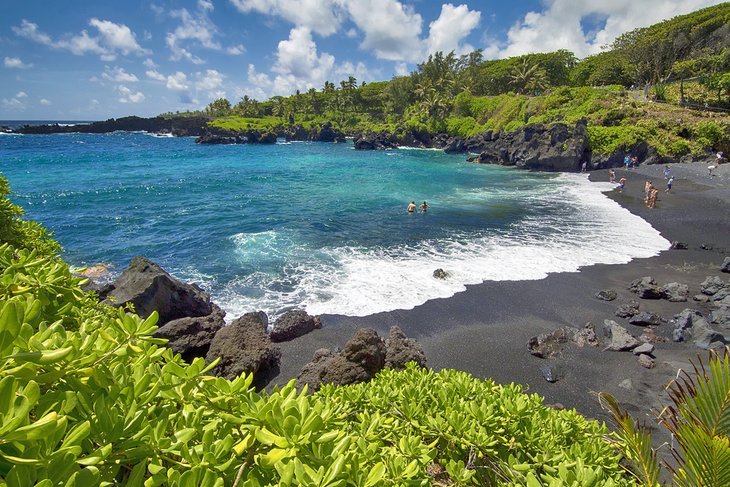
pixel 611 176
pixel 652 197
pixel 584 166
pixel 627 161
pixel 669 184
pixel 412 207
pixel 710 169
pixel 648 185
pixel 666 172
pixel 621 184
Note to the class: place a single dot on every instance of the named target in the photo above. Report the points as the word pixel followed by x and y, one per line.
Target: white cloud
pixel 177 82
pixel 113 39
pixel 298 64
pixel 155 75
pixel 211 80
pixel 453 25
pixel 558 26
pixel 236 50
pixel 16 63
pixel 13 104
pixel 45 102
pixel 205 4
pixel 320 16
pixel 149 63
pixel 391 29
pixel 194 29
pixel 118 75
pixel 401 69
pixel 21 94
pixel 118 37
pixel 129 96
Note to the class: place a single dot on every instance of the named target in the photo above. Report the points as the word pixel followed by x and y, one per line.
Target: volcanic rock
pixel 293 324
pixel 191 336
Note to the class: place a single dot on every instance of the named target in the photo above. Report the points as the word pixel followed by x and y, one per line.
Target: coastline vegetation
pixel 664 84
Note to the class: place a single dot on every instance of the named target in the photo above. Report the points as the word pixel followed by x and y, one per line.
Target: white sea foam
pixel 592 229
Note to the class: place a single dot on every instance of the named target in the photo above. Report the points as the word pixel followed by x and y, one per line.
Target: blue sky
pixel 96 59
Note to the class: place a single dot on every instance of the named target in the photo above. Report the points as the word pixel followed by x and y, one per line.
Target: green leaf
pixel 10 322
pixel 42 428
pixel 43 357
pixel 376 474
pixel 136 476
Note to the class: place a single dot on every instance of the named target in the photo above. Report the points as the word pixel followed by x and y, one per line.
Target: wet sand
pixel 485 330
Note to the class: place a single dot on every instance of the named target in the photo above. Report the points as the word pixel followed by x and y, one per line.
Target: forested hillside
pixel 684 61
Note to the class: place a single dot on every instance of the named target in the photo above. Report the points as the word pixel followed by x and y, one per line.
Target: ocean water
pixel 314 226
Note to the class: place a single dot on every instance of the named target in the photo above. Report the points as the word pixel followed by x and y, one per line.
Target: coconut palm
pixel 698 419
pixel 528 78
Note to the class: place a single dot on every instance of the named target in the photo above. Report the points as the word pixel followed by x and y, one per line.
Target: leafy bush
pixel 461 126
pixel 606 140
pixel 21 233
pixel 710 134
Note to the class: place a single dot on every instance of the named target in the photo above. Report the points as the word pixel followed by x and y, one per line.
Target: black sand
pixel 485 329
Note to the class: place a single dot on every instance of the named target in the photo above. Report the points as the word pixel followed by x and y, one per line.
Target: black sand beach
pixel 485 329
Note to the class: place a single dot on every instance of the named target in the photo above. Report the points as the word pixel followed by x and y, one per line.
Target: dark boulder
pixel 712 285
pixel 244 347
pixel 606 295
pixel 646 319
pixel 328 133
pixel 293 324
pixel 725 267
pixel 399 350
pixel 213 139
pixel 647 288
pixel 375 141
pixel 628 310
pixel 191 336
pixel 621 339
pixel 149 288
pixel 546 345
pixel 363 356
pixel 440 274
pixel 676 292
pixel 676 245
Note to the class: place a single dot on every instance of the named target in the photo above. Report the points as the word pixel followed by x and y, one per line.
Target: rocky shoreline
pixel 556 147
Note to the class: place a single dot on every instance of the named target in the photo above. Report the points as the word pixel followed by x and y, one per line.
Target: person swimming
pixel 424 207
pixel 412 207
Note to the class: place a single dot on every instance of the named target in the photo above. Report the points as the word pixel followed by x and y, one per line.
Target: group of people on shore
pixel 412 207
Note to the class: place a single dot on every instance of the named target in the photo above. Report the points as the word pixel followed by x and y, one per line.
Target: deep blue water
pixel 313 225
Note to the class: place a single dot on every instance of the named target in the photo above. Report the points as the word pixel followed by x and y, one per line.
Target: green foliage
pixel 698 420
pixel 606 140
pixel 711 134
pixel 21 233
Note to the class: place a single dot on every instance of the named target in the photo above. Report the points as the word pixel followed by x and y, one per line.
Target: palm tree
pixel 699 421
pixel 527 78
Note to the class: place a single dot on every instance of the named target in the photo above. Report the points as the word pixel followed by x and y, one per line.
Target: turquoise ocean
pixel 314 226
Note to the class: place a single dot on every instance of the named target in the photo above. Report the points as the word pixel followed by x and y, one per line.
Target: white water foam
pixel 592 229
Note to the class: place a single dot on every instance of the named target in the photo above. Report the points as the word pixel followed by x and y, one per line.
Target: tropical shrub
pixel 21 233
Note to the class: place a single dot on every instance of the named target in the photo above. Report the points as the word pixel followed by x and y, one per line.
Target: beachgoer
pixel 647 189
pixel 621 184
pixel 611 176
pixel 634 161
pixel 652 197
pixel 627 161
pixel 412 207
pixel 710 169
pixel 584 166
pixel 424 207
pixel 720 157
pixel 666 172
pixel 670 181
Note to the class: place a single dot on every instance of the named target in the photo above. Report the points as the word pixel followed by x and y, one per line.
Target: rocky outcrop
pixel 620 338
pixel 213 139
pixel 177 126
pixel 191 336
pixel 293 324
pixel 149 288
pixel 325 132
pixel 606 295
pixel 556 147
pixel 399 350
pixel 547 345
pixel 647 288
pixel 690 324
pixel 676 292
pixel 375 141
pixel 440 274
pixel 363 356
pixel 244 347
pixel 646 319
pixel 628 310
pixel 725 267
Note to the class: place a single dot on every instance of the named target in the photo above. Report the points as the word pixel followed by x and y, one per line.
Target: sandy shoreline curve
pixel 485 329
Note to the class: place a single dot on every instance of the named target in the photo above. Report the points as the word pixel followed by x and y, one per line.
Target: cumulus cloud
pixel 129 96
pixel 155 75
pixel 45 102
pixel 13 104
pixel 560 24
pixel 236 50
pixel 392 30
pixel 194 28
pixel 299 65
pixel 320 16
pixel 113 39
pixel 177 82
pixel 118 75
pixel 16 63
pixel 21 94
pixel 453 25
